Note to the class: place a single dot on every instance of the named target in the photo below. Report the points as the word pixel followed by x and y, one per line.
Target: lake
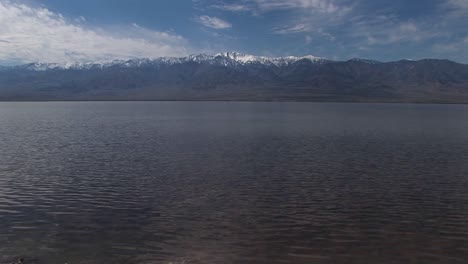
pixel 233 182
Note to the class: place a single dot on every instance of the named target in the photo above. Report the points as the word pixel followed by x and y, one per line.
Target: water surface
pixel 223 182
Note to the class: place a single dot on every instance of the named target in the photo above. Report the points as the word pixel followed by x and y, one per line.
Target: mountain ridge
pixel 237 76
pixel 241 58
pixel 223 57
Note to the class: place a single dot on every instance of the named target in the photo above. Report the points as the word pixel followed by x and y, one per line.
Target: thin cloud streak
pixel 214 22
pixel 325 6
pixel 306 16
pixel 458 3
pixel 261 6
pixel 298 28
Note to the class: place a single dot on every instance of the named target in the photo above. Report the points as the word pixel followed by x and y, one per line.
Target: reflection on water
pixel 194 182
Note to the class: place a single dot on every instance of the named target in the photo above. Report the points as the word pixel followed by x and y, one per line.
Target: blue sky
pixel 102 30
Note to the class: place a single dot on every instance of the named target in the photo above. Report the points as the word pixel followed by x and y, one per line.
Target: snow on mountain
pixel 38 66
pixel 277 61
pixel 228 59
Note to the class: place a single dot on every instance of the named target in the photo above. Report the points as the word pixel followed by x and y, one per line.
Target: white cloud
pixel 214 22
pixel 32 34
pixel 455 47
pixel 80 19
pixel 298 28
pixel 233 7
pixel 326 6
pixel 255 6
pixel 454 9
pixel 388 29
pixel 408 27
pixel 302 16
pixel 446 47
pixel 458 3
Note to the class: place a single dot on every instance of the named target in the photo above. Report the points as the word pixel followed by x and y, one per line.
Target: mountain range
pixel 235 76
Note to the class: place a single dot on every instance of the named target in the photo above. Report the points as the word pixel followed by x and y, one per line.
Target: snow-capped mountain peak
pixel 225 58
pixel 247 58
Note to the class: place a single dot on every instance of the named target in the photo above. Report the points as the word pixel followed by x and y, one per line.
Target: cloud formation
pixel 325 6
pixel 387 29
pixel 306 16
pixel 297 28
pixel 31 34
pixel 214 22
pixel 337 29
pixel 458 3
pixel 343 29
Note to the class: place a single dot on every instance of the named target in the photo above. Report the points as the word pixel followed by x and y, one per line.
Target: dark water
pixel 194 182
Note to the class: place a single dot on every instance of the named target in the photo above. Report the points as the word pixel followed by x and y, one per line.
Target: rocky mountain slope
pixel 235 76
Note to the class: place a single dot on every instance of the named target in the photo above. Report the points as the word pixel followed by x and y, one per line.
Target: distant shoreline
pixel 237 101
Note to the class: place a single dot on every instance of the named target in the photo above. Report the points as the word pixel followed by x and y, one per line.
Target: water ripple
pixel 233 183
